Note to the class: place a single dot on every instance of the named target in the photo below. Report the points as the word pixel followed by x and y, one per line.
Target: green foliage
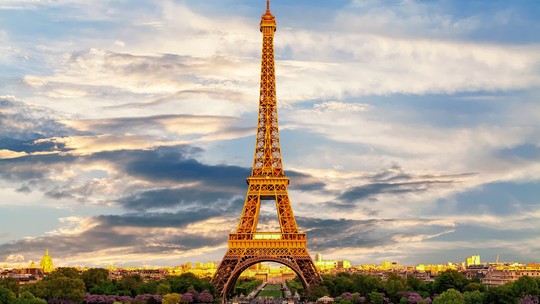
pixel 342 284
pixel 316 291
pixel 393 285
pixel 129 285
pixel 450 279
pixel 37 289
pixel 500 295
pixel 271 290
pixel 94 277
pixel 376 298
pixel 246 285
pixel 163 289
pixel 149 287
pixel 187 281
pixel 416 284
pixel 364 284
pixel 11 284
pixel 295 285
pixel 64 285
pixel 473 297
pixel 526 286
pixel 403 301
pixel 475 286
pixel 450 296
pixel 67 272
pixel 6 296
pixel 28 298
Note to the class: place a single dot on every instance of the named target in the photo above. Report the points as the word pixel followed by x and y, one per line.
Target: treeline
pixel 67 285
pixel 245 286
pixel 449 287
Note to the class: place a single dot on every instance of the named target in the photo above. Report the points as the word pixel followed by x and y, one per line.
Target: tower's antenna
pixel 268 5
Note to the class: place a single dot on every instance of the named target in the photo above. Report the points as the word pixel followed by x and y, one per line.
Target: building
pixel 330 265
pixel 473 260
pixel 46 263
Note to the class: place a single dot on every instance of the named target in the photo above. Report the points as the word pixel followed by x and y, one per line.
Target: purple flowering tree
pixel 528 299
pixel 205 297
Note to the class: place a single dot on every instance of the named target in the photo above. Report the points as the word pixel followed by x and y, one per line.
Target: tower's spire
pixel 268 22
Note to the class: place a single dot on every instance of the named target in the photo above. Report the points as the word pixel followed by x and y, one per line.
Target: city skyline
pixel 409 129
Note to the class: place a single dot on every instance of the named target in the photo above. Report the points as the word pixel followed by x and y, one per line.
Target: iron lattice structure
pixel 248 246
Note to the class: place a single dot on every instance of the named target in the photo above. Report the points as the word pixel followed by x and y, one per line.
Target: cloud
pixel 187 197
pixel 4 153
pixel 101 240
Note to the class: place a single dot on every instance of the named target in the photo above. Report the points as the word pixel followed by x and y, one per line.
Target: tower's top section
pixel 267 160
pixel 268 22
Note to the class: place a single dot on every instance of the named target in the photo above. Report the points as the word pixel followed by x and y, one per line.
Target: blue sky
pixel 410 129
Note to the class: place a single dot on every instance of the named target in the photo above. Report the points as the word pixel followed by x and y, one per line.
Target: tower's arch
pixel 248 262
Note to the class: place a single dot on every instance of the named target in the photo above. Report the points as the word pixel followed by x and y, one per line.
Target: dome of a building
pixel 46 262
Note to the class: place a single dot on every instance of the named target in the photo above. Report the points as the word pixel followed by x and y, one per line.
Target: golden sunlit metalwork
pixel 267 182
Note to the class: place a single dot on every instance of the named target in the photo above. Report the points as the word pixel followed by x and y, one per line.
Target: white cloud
pixel 5 154
pixel 73 225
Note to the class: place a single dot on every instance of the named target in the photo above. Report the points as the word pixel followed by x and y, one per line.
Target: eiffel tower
pixel 247 246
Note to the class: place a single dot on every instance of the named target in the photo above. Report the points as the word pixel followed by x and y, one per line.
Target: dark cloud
pixel 112 232
pixel 32 167
pixel 121 125
pixel 167 198
pixel 328 234
pixel 334 233
pixel 393 181
pixel 369 190
pixel 22 125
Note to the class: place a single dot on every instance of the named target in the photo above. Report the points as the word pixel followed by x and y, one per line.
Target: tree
pixel 149 287
pixel 376 298
pixel 63 288
pixel 205 297
pixel 11 284
pixel 342 284
pixel 6 296
pixel 393 285
pixel 503 294
pixel 64 284
pixel 68 272
pixel 364 284
pixel 475 286
pixel 171 298
pixel 473 297
pixel 94 277
pixel 130 284
pixel 315 291
pixel 528 299
pixel 163 289
pixel 37 289
pixel 450 279
pixel 415 284
pixel 526 285
pixel 28 298
pixel 450 296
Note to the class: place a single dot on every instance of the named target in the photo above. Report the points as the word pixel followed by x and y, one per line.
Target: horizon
pixel 274 264
pixel 409 130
